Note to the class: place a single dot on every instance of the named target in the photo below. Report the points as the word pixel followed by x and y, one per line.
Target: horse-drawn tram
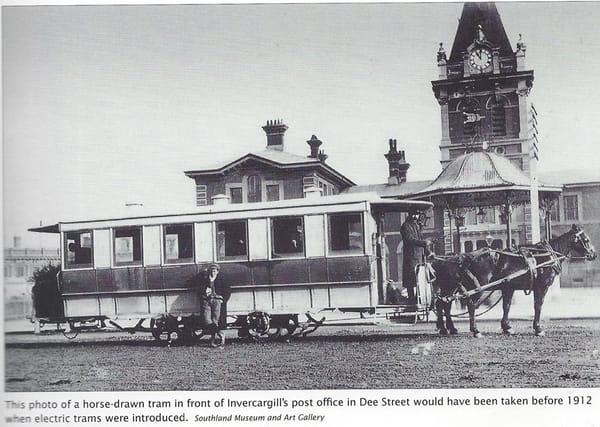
pixel 292 265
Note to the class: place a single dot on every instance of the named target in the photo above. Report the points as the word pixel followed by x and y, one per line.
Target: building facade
pixel 269 175
pixel 578 204
pixel 483 89
pixel 19 265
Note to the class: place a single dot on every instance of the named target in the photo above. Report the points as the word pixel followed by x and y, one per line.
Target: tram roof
pixel 386 205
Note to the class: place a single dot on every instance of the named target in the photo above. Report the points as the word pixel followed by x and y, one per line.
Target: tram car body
pixel 284 259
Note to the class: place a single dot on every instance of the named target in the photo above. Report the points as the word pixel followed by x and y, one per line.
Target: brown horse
pixel 455 275
pixel 549 254
pixel 462 276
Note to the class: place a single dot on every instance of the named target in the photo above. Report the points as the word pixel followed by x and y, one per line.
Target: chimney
pixel 275 130
pixel 314 143
pixel 397 164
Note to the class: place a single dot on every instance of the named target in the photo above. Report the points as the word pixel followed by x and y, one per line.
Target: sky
pixel 107 105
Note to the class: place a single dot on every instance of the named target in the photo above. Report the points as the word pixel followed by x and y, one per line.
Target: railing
pixel 21 253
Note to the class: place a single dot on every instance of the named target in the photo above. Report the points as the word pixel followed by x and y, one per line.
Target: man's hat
pixel 214 265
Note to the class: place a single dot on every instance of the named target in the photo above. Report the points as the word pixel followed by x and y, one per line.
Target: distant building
pixel 269 175
pixel 579 204
pixel 19 266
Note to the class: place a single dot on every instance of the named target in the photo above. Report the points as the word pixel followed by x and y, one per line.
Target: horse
pixel 455 275
pixel 463 275
pixel 538 279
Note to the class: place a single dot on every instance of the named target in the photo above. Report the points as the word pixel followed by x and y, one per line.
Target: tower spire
pixel 485 20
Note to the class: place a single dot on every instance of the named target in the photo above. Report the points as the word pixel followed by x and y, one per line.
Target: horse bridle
pixel 583 241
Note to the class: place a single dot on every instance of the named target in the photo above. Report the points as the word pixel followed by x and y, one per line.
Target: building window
pixel 20 271
pixel 236 195
pixel 272 192
pixel 128 245
pixel 254 189
pixel 571 208
pixel 428 220
pixel 470 121
pixel 479 244
pixel 7 270
pixel 555 211
pixel 179 243
pixel 326 188
pixel 346 233
pixel 201 195
pixel 287 236
pixel 78 249
pixel 231 240
pixel 469 246
pixel 498 121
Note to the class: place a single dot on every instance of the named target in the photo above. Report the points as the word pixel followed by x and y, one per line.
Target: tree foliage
pixel 45 273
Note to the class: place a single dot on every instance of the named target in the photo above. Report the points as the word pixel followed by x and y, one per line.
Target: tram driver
pixel 413 251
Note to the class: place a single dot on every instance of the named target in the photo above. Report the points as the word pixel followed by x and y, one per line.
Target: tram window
pixel 346 233
pixel 287 236
pixel 179 243
pixel 128 245
pixel 231 240
pixel 469 245
pixel 78 249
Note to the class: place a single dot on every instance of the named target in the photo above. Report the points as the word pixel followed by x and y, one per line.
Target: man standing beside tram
pixel 214 293
pixel 413 251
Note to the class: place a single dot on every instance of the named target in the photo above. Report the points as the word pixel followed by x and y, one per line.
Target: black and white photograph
pixel 302 198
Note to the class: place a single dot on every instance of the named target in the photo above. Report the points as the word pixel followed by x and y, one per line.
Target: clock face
pixel 480 59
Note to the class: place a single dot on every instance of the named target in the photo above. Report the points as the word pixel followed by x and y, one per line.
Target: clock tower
pixel 483 89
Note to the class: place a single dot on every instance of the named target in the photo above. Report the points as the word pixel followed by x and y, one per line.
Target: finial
pixel 521 44
pixel 480 33
pixel 441 54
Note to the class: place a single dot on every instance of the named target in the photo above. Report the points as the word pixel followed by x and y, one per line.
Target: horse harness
pixel 529 254
pixel 464 273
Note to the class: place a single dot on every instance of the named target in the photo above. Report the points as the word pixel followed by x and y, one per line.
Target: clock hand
pixel 478 53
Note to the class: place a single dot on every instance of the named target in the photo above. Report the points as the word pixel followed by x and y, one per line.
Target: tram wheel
pixel 70 334
pixel 159 329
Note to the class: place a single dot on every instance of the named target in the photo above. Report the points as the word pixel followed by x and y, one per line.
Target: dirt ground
pixel 372 357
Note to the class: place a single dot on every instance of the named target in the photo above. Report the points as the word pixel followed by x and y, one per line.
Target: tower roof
pixel 473 15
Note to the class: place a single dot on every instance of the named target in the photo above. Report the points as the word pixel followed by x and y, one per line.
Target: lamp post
pixel 459 220
pixel 505 215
